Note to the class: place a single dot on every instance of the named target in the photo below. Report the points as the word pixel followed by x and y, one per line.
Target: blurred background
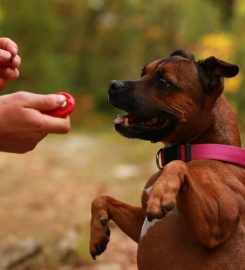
pixel 78 46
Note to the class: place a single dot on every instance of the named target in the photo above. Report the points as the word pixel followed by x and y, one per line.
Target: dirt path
pixel 47 194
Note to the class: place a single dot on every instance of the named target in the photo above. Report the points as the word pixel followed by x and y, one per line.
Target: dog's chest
pixel 167 243
pixel 146 226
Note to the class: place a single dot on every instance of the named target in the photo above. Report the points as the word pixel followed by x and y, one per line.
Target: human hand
pixel 23 126
pixel 9 61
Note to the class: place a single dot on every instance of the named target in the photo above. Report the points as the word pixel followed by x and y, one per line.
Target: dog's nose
pixel 116 86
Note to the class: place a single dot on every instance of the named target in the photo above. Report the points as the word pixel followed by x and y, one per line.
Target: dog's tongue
pixel 119 120
pixel 125 120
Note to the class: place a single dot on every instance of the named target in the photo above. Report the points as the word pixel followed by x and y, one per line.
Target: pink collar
pixel 187 152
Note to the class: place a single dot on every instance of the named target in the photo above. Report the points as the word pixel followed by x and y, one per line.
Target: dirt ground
pixel 46 195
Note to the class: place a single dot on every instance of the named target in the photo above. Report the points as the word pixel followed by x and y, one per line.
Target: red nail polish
pixel 65 109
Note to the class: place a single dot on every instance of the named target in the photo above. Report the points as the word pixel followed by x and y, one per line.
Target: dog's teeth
pixel 126 122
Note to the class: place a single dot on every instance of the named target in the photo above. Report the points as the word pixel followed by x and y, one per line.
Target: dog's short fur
pixel 180 100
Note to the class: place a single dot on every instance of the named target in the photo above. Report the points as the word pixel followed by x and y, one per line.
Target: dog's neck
pixel 223 128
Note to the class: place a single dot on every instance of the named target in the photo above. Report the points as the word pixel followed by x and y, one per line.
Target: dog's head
pixel 173 100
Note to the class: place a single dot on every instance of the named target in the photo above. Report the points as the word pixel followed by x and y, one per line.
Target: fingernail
pixel 60 99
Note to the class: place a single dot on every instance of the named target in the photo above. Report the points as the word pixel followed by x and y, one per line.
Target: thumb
pixel 46 102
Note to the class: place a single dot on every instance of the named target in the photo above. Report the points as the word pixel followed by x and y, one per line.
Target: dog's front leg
pixel 207 200
pixel 105 208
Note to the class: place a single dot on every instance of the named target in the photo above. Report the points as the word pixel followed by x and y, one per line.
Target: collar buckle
pixel 175 152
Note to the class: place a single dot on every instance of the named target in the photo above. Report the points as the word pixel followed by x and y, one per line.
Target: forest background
pixel 80 45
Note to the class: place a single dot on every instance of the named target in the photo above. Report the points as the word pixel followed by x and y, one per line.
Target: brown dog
pixel 198 206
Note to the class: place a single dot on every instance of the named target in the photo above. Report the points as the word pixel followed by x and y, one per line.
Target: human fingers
pixel 8 60
pixel 15 61
pixel 10 73
pixel 8 45
pixel 56 125
pixel 5 57
pixel 44 102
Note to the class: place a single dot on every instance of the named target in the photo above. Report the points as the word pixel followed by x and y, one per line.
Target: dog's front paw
pixel 100 232
pixel 163 195
pixel 161 201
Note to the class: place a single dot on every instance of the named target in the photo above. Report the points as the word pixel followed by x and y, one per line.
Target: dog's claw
pixel 108 232
pixel 104 222
pixel 167 209
pixel 93 255
pixel 98 249
pixel 150 218
pixel 159 212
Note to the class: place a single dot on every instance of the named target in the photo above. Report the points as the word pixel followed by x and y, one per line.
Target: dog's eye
pixel 163 82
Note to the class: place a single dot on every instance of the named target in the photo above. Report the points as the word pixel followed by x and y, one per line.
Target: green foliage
pixel 80 45
pixel 37 31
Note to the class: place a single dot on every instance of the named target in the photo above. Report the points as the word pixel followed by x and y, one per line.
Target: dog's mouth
pixel 153 128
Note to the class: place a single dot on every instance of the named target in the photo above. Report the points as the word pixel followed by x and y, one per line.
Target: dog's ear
pixel 218 67
pixel 215 70
pixel 183 54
